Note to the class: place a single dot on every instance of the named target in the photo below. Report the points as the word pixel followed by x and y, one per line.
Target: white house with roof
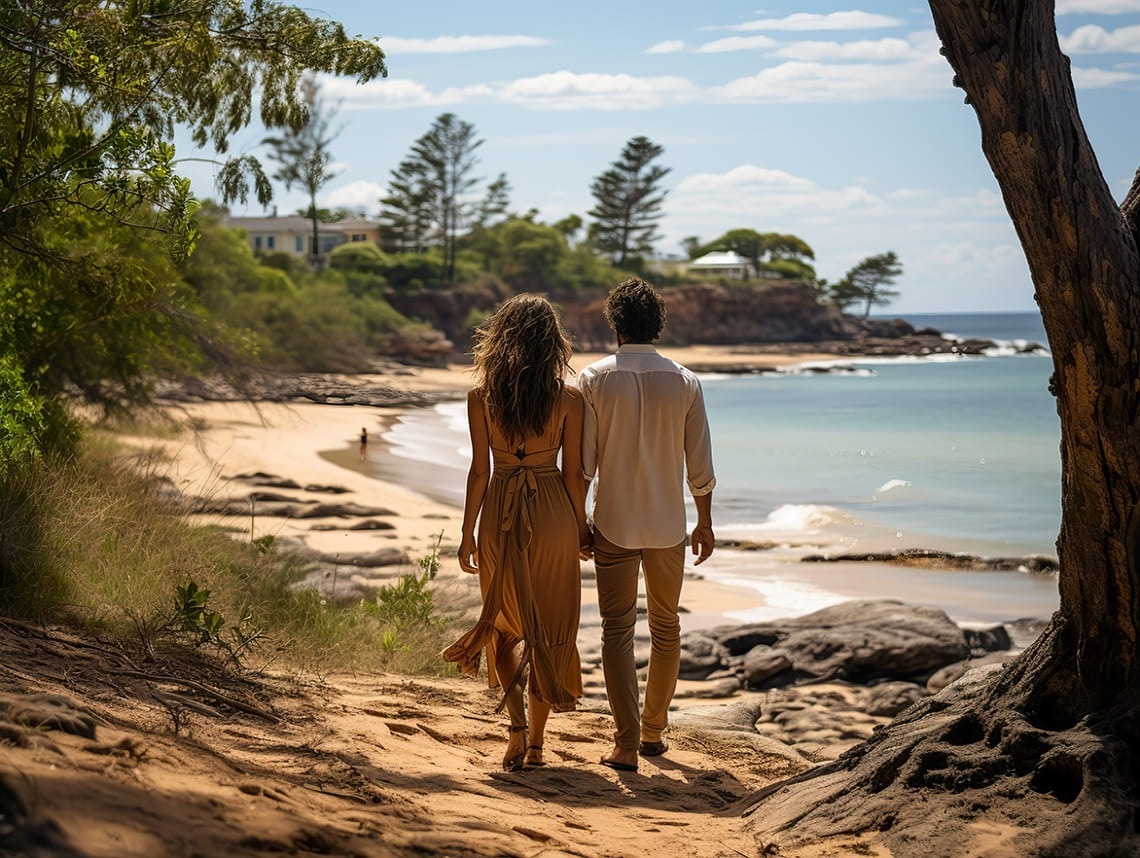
pixel 293 234
pixel 722 263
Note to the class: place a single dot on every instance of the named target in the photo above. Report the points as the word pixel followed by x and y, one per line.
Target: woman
pixel 532 520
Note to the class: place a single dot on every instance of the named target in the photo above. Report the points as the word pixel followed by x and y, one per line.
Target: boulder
pixel 700 656
pixel 763 663
pixel 861 641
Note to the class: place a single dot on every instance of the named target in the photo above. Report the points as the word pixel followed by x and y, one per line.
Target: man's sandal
pixel 653 749
pixel 534 755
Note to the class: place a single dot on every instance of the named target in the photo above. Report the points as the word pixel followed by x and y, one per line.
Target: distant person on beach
pixel 363 443
pixel 645 434
pixel 531 520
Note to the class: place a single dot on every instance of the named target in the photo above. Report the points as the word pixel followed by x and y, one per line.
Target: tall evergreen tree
pixel 435 181
pixel 407 214
pixel 628 202
pixel 303 155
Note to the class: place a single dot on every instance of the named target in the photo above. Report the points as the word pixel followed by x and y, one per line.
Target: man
pixel 645 427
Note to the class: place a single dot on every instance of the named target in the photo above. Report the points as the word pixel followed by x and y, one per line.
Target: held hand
pixel 585 543
pixel 703 542
pixel 468 555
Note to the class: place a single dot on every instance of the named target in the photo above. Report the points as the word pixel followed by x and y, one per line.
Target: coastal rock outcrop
pixel 858 641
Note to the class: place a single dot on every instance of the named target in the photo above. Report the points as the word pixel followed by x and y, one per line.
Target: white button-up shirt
pixel 645 428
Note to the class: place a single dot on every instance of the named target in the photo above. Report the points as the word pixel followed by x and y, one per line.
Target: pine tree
pixel 629 198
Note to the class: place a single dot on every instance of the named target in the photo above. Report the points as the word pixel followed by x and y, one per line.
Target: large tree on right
pixel 1042 755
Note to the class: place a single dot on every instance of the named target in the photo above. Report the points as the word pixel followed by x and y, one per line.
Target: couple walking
pixel 635 425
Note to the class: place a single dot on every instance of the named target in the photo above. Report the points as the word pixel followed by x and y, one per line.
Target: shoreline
pixel 314 443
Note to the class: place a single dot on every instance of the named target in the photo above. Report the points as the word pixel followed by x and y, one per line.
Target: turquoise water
pixel 960 454
pixel 949 452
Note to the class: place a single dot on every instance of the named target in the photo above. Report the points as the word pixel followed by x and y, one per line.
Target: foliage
pixel 93 90
pixel 628 199
pixel 428 195
pixel 303 153
pixel 869 283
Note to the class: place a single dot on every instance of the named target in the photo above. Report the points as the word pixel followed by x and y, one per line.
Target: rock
pixel 762 663
pixel 341 510
pixel 700 656
pixel 861 640
pixel 988 640
pixel 953 672
pixel 259 478
pixel 378 558
pixel 739 640
pixel 740 716
pixel 726 687
pixel 888 699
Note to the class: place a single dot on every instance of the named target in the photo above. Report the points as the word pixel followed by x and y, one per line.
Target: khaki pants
pixel 617 570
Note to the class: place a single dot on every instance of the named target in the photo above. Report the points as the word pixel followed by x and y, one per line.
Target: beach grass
pixel 98 543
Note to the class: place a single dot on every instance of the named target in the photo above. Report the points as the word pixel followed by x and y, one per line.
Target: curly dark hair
pixel 635 310
pixel 522 355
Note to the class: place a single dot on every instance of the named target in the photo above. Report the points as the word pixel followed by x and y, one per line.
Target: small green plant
pixel 191 614
pixel 264 544
pixel 391 644
pixel 429 563
pixel 406 604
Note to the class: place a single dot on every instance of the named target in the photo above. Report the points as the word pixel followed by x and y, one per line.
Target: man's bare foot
pixel 621 759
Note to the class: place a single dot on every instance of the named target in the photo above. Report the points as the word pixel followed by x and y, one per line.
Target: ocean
pixel 946 452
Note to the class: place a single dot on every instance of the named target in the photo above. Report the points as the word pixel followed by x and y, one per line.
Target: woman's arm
pixel 477 476
pixel 572 476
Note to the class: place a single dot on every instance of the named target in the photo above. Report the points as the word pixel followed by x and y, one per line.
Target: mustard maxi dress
pixel 528 571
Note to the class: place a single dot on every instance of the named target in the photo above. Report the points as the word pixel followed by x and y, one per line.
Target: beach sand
pixel 372 765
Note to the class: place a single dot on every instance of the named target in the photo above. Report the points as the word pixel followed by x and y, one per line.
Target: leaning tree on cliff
pixel 1041 754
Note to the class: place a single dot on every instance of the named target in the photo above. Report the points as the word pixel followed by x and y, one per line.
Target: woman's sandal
pixel 534 755
pixel 513 762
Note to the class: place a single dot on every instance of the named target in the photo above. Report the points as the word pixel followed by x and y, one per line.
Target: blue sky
pixel 832 121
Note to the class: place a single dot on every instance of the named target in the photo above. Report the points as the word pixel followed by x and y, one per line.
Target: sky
pixel 834 122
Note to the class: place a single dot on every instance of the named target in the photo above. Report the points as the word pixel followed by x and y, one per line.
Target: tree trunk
pixel 1046 745
pixel 1082 257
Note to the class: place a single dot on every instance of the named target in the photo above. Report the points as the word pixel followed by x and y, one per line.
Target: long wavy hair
pixel 522 354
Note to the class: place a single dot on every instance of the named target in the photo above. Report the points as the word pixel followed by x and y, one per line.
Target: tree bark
pixel 1046 745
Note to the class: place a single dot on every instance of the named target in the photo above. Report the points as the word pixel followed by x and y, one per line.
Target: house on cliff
pixel 293 234
pixel 722 263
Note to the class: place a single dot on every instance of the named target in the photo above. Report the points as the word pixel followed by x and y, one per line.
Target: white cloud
pixel 670 47
pixel 807 83
pixel 1097 7
pixel 853 20
pixel 737 43
pixel 878 50
pixel 1101 78
pixel 396 94
pixel 1091 39
pixel 749 191
pixel 566 90
pixel 458 44
pixel 360 194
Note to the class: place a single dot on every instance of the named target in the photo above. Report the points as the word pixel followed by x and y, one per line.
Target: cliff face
pixel 703 314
